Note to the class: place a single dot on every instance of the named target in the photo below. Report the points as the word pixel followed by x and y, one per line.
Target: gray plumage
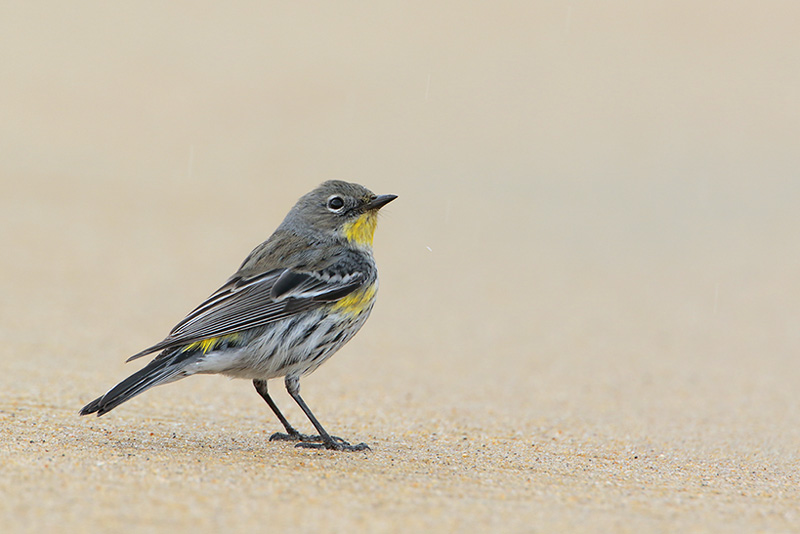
pixel 296 299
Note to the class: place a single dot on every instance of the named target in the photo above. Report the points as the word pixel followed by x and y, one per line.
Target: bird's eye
pixel 335 203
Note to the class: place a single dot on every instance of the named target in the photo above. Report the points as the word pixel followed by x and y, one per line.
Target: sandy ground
pixel 589 316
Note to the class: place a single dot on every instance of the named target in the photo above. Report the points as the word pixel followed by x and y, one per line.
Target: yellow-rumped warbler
pixel 297 299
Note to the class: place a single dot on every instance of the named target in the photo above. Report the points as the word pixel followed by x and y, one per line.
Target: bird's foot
pixel 336 444
pixel 294 436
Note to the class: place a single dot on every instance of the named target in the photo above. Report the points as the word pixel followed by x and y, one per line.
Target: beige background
pixel 589 317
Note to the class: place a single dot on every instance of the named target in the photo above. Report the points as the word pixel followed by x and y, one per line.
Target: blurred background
pixel 597 219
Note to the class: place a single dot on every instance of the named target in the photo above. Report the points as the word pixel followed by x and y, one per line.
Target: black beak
pixel 379 202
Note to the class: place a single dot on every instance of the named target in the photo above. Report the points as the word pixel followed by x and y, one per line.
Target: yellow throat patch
pixel 362 230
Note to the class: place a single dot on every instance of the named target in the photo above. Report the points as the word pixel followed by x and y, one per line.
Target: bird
pixel 296 299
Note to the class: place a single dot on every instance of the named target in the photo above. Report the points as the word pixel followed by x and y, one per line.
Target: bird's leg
pixel 291 433
pixel 327 441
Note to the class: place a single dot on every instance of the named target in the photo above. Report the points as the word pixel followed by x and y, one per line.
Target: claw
pixel 340 445
pixel 280 436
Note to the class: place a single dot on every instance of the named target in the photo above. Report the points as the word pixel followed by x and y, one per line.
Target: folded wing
pixel 255 301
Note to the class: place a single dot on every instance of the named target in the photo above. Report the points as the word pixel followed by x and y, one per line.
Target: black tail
pixel 165 368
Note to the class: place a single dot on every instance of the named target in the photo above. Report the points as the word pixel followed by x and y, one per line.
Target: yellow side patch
pixel 362 230
pixel 206 345
pixel 356 302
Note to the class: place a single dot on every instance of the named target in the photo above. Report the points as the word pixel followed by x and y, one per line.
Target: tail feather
pixel 163 369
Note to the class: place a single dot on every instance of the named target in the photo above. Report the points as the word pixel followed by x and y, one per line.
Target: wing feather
pixel 244 303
